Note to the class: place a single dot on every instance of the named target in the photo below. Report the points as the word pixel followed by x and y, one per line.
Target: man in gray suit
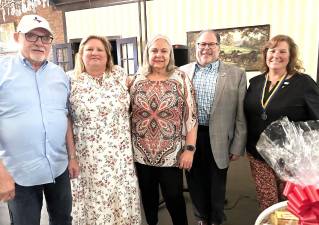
pixel 220 91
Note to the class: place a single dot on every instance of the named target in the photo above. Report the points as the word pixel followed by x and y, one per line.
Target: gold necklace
pixel 265 104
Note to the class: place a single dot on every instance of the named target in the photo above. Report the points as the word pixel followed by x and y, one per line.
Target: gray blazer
pixel 227 123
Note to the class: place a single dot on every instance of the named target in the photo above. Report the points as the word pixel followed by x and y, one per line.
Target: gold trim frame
pixel 240 46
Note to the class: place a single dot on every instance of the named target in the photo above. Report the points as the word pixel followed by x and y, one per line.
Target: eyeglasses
pixel 46 39
pixel 202 45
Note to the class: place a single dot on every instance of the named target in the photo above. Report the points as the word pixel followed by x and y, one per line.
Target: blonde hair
pixel 146 67
pixel 79 65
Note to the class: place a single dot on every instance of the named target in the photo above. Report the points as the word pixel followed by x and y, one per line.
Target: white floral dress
pixel 106 191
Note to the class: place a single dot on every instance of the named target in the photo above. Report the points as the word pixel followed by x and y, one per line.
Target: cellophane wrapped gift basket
pixel 292 150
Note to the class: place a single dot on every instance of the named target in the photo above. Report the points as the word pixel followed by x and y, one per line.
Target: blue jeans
pixel 25 208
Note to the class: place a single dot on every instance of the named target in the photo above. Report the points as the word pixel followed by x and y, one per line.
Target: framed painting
pixel 7 44
pixel 239 45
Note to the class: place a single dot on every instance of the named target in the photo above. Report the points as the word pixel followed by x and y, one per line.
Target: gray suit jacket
pixel 227 124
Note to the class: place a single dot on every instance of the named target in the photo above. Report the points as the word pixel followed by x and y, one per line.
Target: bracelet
pixel 71 157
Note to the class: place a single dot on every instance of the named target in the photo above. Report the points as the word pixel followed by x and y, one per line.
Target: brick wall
pixel 54 16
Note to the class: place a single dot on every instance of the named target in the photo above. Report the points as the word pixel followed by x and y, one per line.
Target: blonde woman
pixel 106 191
pixel 164 126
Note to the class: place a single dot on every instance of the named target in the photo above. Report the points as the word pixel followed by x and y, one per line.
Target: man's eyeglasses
pixel 46 39
pixel 202 45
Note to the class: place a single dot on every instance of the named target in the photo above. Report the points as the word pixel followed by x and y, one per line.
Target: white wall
pixel 120 20
pixel 296 18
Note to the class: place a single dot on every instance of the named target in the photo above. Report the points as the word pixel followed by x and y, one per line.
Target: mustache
pixel 206 52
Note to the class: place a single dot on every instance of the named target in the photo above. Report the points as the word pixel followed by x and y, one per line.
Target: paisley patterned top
pixel 163 112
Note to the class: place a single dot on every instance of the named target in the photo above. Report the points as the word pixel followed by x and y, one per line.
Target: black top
pixel 269 91
pixel 297 98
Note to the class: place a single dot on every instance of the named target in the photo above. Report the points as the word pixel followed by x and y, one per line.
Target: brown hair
pixel 79 65
pixel 294 64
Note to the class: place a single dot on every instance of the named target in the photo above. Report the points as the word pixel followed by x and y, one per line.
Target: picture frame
pixel 318 67
pixel 240 46
pixel 7 43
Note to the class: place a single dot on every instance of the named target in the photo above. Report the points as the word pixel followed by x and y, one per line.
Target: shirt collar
pixel 26 62
pixel 214 65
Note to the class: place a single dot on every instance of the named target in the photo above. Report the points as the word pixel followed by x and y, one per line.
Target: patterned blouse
pixel 163 112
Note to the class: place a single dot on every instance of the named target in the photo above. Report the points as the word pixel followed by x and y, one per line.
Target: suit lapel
pixel 221 81
pixel 192 70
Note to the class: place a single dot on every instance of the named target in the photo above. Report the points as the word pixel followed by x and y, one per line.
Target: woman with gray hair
pixel 164 127
pixel 106 192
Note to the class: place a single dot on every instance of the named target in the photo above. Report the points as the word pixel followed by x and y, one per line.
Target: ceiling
pixel 72 5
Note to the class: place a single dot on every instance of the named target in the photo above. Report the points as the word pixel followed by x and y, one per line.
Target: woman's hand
pixel 74 168
pixel 186 160
pixel 129 81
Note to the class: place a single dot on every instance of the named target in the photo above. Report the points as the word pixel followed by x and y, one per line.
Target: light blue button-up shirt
pixel 204 81
pixel 33 120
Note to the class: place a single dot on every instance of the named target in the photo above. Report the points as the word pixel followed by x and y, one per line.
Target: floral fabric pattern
pixel 106 191
pixel 162 113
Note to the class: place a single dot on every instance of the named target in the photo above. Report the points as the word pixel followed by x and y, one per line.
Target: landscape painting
pixel 240 45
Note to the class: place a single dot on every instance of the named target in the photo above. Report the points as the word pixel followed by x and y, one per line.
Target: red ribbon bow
pixel 303 202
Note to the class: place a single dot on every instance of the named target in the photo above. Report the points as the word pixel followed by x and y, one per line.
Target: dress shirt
pixel 204 81
pixel 33 120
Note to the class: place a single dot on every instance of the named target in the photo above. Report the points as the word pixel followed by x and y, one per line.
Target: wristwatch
pixel 191 148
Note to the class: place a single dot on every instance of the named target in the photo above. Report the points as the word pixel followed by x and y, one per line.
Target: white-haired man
pixel 34 160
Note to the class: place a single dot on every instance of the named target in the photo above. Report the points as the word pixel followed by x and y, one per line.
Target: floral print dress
pixel 106 191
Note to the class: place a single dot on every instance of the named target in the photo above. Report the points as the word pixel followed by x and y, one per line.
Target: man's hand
pixel 74 168
pixel 186 160
pixel 233 157
pixel 7 185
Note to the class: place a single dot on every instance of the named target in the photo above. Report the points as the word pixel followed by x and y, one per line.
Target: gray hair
pixel 146 67
pixel 209 31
